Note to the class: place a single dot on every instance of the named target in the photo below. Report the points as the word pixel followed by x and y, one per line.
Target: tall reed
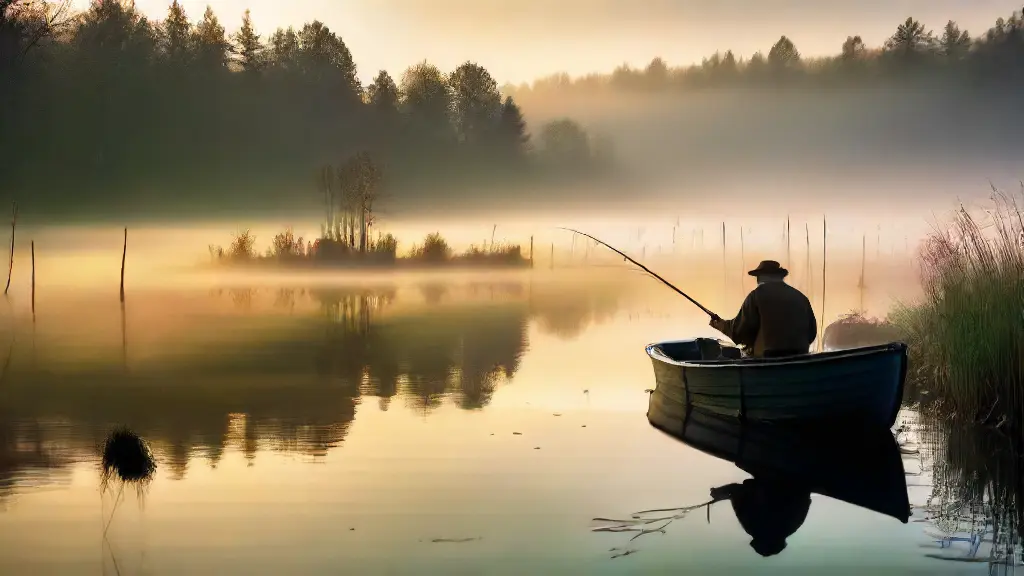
pixel 966 334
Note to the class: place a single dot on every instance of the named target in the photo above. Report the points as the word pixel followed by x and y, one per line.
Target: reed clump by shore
pixel 434 251
pixel 966 333
pixel 856 329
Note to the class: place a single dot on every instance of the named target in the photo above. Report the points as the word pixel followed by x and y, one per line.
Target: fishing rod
pixel 645 269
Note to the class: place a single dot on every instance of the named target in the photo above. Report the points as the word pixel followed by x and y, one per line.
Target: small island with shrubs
pixel 346 236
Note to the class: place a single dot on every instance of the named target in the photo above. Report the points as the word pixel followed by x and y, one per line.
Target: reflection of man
pixel 769 511
pixel 775 319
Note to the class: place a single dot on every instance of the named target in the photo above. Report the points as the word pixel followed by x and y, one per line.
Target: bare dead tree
pixel 26 23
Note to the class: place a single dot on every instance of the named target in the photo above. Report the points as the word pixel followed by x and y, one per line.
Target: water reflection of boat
pixel 855 464
pixel 863 383
pixel 788 463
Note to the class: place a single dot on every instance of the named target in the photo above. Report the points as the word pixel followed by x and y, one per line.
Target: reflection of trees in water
pixel 487 355
pixel 977 489
pixel 29 455
pixel 433 292
pixel 566 313
pixel 294 391
pixel 460 353
pixel 242 297
pixel 496 290
pixel 184 420
pixel 286 298
pixel 352 310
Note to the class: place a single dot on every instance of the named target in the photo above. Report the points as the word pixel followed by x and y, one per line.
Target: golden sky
pixel 519 40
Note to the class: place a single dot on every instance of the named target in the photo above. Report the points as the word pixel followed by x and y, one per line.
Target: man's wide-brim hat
pixel 769 267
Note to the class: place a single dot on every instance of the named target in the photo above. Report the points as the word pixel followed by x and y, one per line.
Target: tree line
pixel 913 53
pixel 106 106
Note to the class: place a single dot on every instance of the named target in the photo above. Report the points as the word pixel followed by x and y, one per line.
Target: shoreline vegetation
pixel 966 333
pixel 350 192
pixel 287 250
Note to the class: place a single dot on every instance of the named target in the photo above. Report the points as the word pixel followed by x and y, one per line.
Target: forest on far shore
pixel 106 109
pixel 914 54
pixel 105 112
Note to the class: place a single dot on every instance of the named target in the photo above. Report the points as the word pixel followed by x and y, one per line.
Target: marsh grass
pixel 966 334
pixel 433 249
pixel 494 253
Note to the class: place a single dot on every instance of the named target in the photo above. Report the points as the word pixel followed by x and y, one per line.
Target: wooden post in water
pixel 33 280
pixel 124 321
pixel 810 282
pixel 124 252
pixel 10 267
pixel 531 251
pixel 824 260
pixel 743 259
pixel 788 245
pixel 725 265
pixel 863 254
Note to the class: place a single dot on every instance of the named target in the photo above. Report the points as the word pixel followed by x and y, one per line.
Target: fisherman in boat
pixel 775 318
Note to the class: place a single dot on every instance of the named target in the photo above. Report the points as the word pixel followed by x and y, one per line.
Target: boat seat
pixel 711 349
pixel 731 353
pixel 698 349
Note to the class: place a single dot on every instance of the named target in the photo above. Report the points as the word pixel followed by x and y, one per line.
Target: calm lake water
pixel 428 425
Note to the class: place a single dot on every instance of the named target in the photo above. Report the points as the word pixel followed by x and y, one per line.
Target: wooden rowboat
pixel 859 383
pixel 848 461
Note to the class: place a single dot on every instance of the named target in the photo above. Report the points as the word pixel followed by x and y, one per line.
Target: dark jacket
pixel 774 318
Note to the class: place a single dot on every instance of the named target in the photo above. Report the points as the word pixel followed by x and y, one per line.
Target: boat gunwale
pixel 655 353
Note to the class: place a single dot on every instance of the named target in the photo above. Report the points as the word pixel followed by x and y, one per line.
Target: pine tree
pixel 512 128
pixel 248 46
pixel 954 42
pixel 784 54
pixel 210 41
pixel 383 94
pixel 177 32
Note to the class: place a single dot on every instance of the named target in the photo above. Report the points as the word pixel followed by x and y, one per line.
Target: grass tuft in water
pixel 966 334
pixel 127 457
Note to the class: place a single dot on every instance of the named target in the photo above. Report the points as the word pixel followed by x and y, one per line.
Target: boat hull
pixel 861 383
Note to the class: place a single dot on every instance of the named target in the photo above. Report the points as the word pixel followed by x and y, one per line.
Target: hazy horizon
pixel 522 43
pixel 881 146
